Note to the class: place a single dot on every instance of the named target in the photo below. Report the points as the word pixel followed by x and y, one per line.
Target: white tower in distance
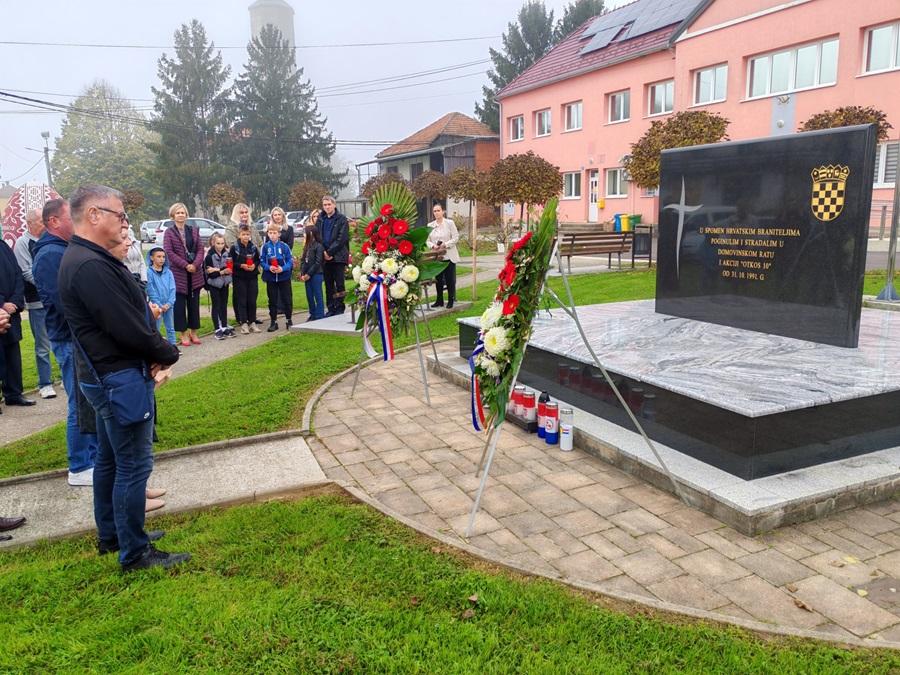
pixel 276 12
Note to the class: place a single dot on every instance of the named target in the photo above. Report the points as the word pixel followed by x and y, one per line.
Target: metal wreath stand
pixel 490 446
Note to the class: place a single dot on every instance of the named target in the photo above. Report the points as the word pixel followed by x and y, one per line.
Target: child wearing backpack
pixel 277 262
pixel 219 268
pixel 161 290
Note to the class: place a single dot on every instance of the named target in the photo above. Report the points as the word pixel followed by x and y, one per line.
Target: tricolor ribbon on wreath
pixel 378 295
pixel 478 419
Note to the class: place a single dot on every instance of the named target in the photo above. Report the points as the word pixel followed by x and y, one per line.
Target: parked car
pixel 148 230
pixel 297 219
pixel 207 228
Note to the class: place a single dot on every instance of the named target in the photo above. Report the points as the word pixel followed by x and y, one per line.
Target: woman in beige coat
pixel 442 240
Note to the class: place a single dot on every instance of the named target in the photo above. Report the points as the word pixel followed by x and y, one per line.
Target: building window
pixel 542 123
pixel 516 128
pixel 393 169
pixel 790 70
pixel 662 98
pixel 711 84
pixel 572 116
pixel 650 192
pixel 882 48
pixel 616 183
pixel 572 185
pixel 620 106
pixel 416 170
pixel 886 164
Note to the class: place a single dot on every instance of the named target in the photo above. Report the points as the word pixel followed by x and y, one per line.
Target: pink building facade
pixel 766 65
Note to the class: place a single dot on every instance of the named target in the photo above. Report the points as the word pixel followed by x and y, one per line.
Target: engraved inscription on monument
pixel 768 235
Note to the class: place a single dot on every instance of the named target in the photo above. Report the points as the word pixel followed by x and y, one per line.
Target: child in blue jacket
pixel 276 261
pixel 161 289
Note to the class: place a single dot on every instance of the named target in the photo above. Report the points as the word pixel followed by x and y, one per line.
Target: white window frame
pixel 611 98
pixel 512 125
pixel 881 164
pixel 573 106
pixel 650 192
pixel 695 83
pixel 537 125
pixel 792 75
pixel 651 88
pixel 622 183
pixel 576 177
pixel 895 49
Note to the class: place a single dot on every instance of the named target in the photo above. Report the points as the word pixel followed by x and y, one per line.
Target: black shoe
pixel 439 303
pixel 103 547
pixel 20 400
pixel 449 304
pixel 287 324
pixel 153 557
pixel 258 322
pixel 272 327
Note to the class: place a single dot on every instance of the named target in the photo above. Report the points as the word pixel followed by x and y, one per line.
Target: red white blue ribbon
pixel 378 296
pixel 478 419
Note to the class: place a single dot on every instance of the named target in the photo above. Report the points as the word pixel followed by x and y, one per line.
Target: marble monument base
pixel 747 403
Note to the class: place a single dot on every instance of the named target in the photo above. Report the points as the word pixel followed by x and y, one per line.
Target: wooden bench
pixel 589 240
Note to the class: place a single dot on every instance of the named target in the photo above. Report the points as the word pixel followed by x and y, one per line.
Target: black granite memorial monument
pixel 768 235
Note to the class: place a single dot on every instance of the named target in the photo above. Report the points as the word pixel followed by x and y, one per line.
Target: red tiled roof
pixel 451 124
pixel 565 60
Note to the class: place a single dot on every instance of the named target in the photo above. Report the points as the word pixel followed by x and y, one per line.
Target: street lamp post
pixel 46 136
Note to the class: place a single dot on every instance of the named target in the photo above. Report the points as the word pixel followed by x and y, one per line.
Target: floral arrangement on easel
pixel 389 279
pixel 506 323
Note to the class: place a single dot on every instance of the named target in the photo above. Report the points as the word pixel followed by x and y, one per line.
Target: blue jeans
pixel 124 463
pixel 314 296
pixel 37 319
pixel 167 318
pixel 81 448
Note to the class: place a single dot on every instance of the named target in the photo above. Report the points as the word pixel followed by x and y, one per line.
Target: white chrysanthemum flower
pixel 409 273
pixel 491 316
pixel 389 266
pixel 495 341
pixel 368 264
pixel 357 272
pixel 364 283
pixel 399 289
pixel 490 366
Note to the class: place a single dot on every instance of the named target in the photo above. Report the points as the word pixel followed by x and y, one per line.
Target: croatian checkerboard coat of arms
pixel 829 185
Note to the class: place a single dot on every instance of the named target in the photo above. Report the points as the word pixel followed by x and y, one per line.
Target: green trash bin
pixel 634 219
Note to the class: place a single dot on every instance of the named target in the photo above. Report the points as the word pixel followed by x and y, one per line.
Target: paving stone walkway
pixel 573 514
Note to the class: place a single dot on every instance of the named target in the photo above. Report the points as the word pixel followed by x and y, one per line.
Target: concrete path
pixel 571 514
pixel 16 422
pixel 193 480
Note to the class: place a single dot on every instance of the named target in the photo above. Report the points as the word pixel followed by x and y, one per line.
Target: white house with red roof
pixel 766 65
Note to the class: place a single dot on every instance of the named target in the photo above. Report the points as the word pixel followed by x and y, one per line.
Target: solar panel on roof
pixel 645 16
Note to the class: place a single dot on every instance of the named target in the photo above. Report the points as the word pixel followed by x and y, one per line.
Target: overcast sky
pixel 388 116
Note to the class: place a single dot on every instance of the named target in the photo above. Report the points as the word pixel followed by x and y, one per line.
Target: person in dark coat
pixel 285 230
pixel 185 253
pixel 335 231
pixel 311 271
pixel 17 521
pixel 12 300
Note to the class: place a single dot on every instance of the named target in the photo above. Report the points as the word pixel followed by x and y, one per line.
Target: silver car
pixel 207 228
pixel 148 230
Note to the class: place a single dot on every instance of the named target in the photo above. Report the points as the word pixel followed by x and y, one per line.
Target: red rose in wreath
pixel 392 242
pixel 401 227
pixel 370 228
pixel 387 209
pixel 507 274
pixel 381 246
pixel 365 248
pixel 405 247
pixel 524 240
pixel 511 304
pixel 384 231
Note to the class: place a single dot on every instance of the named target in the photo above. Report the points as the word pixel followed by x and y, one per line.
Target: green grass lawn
pixel 325 585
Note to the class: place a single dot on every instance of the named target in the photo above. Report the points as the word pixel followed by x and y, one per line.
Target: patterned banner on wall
pixel 27 197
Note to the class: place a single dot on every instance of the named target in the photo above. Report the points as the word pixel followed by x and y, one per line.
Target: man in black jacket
pixel 12 301
pixel 117 347
pixel 8 523
pixel 335 231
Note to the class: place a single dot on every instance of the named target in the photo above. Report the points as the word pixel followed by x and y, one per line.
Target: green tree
pixel 691 127
pixel 575 14
pixel 282 137
pixel 191 106
pixel 430 186
pixel 848 116
pixel 524 42
pixel 370 187
pixel 307 194
pixel 105 142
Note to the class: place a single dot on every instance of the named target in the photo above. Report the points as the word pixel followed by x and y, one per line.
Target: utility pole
pixel 46 136
pixel 889 292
